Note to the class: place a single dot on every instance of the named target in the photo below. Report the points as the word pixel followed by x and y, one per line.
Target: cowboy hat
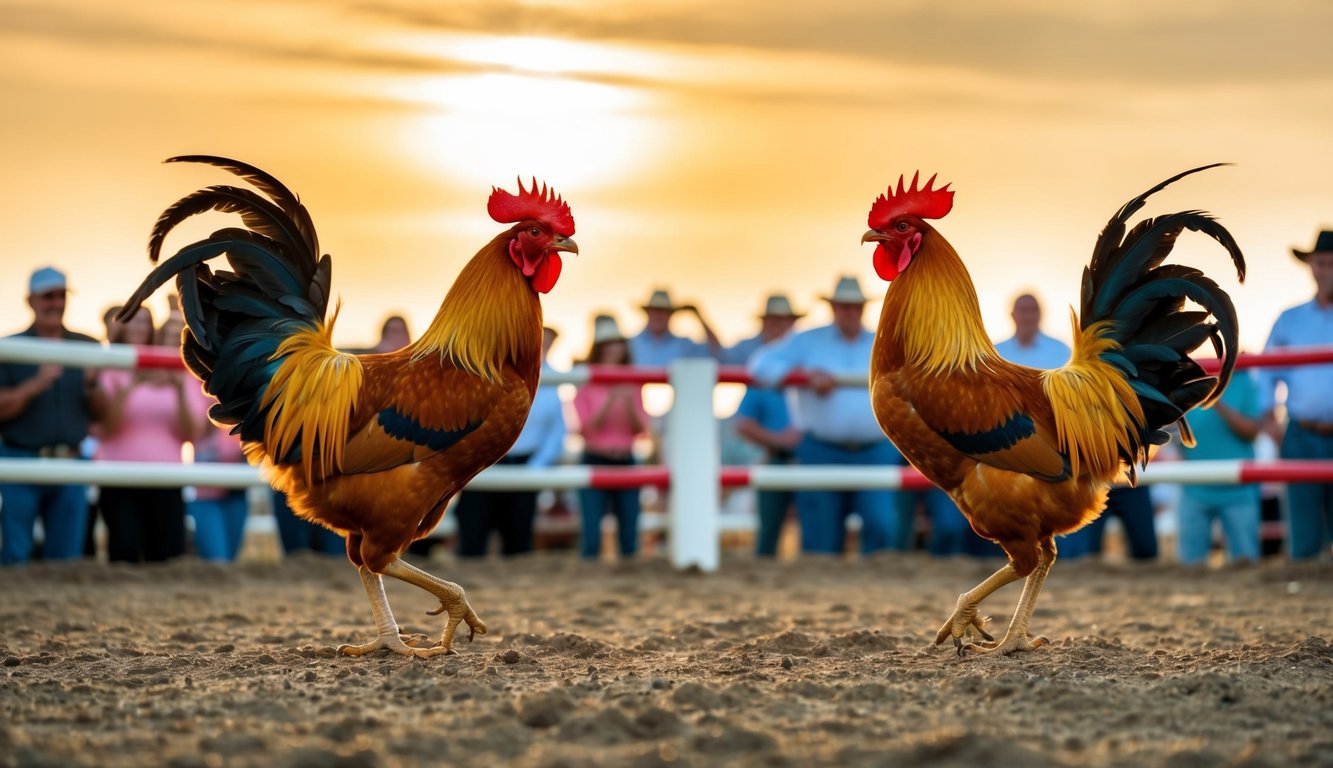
pixel 1323 244
pixel 848 291
pixel 604 328
pixel 778 305
pixel 661 300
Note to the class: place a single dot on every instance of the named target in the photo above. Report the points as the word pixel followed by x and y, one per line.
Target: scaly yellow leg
pixel 386 628
pixel 965 616
pixel 452 600
pixel 1017 638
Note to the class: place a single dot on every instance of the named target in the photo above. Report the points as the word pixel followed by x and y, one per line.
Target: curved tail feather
pixel 275 287
pixel 1134 319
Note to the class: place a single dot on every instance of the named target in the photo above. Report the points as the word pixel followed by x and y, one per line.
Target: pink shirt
pixel 215 443
pixel 150 431
pixel 615 435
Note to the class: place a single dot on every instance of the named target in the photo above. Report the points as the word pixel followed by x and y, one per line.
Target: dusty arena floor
pixel 802 663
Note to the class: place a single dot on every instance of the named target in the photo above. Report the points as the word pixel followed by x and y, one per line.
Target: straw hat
pixel 848 291
pixel 604 328
pixel 778 305
pixel 1323 244
pixel 660 300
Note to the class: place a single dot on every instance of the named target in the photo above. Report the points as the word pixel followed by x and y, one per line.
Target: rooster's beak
pixel 874 236
pixel 563 244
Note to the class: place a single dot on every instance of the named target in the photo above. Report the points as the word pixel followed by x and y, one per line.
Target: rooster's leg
pixel 965 617
pixel 452 601
pixel 1017 638
pixel 386 628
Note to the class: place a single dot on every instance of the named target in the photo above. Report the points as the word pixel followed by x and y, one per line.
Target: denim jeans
pixel 1309 505
pixel 219 525
pixel 1194 529
pixel 594 503
pixel 64 513
pixel 823 514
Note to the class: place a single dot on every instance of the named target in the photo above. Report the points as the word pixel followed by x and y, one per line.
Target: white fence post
pixel 693 457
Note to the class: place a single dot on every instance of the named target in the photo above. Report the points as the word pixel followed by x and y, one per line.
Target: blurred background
pixel 722 150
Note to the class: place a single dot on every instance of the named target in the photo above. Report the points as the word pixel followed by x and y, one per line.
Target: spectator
pixel 149 416
pixel 1225 431
pixel 1309 404
pixel 1029 346
pixel 837 424
pixel 512 514
pixel 657 346
pixel 763 420
pixel 45 411
pixel 774 324
pixel 393 335
pixel 219 514
pixel 610 417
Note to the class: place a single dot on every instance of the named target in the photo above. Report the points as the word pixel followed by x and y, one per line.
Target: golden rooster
pixel 370 446
pixel 1029 454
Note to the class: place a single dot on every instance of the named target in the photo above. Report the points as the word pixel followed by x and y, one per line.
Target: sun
pixel 544 110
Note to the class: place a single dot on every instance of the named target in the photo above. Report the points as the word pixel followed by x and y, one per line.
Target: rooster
pixel 1029 454
pixel 370 446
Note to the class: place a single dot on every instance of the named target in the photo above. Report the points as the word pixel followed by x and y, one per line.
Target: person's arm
pixel 1267 380
pixel 772 440
pixel 775 362
pixel 714 345
pixel 13 400
pixel 1245 427
pixel 116 396
pixel 632 397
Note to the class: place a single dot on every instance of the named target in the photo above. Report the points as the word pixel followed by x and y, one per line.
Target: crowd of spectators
pixel 50 411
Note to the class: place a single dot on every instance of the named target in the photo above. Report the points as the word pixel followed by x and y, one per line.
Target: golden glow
pixel 487 129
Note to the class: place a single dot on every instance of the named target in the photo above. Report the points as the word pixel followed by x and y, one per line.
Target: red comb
pixel 544 206
pixel 927 203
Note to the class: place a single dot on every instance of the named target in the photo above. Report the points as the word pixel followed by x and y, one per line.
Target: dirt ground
pixel 812 662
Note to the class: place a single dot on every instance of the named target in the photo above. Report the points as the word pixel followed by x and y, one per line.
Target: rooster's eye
pixel 535 232
pixel 901 226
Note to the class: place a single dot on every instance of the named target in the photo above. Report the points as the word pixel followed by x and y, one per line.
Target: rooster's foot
pixel 396 644
pixel 965 622
pixel 459 611
pixel 1010 644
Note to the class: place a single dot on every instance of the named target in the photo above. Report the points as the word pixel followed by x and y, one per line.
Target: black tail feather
pixel 1127 285
pixel 276 284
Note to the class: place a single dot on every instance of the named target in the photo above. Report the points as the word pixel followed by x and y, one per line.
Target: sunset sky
pixel 720 149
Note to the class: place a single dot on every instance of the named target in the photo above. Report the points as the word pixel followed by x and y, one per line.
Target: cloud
pixel 1186 42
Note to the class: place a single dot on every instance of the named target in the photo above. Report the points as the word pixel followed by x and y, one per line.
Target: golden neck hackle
pixel 931 313
pixel 490 317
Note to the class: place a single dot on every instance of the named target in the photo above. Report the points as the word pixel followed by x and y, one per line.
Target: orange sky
pixel 721 149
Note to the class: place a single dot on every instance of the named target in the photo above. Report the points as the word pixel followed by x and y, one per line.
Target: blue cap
pixel 45 279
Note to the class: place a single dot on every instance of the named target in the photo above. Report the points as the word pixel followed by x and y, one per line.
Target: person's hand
pixel 822 382
pixel 788 439
pixel 47 374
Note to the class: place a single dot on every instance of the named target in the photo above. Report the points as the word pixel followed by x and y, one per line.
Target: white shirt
pixel 845 414
pixel 1043 352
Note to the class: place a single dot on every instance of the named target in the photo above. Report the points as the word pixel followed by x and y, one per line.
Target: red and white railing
pixel 692 468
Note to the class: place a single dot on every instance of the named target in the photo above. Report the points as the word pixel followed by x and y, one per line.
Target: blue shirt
pixel 1044 352
pixel 649 350
pixel 543 435
pixel 742 351
pixel 1309 387
pixel 766 407
pixel 1215 440
pixel 845 414
pixel 58 416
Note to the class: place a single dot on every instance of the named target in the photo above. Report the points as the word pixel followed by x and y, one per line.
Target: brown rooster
pixel 1029 454
pixel 369 446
